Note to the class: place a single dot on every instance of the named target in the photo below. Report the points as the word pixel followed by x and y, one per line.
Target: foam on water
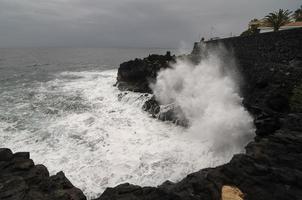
pixel 81 124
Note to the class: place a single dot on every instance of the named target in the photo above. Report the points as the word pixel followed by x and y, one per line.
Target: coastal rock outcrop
pixel 136 75
pixel 20 179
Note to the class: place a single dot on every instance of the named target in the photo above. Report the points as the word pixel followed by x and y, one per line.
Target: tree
pixel 278 19
pixel 298 14
pixel 253 28
pixel 254 25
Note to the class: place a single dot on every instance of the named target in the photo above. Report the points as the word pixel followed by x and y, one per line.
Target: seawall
pixel 271 66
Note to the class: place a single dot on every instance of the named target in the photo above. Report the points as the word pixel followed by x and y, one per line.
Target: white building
pixel 291 25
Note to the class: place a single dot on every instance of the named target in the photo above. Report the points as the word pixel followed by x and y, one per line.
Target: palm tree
pixel 298 14
pixel 278 19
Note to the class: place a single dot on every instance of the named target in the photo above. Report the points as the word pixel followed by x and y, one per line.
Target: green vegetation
pixel 278 19
pixel 253 28
pixel 298 14
pixel 296 99
pixel 274 19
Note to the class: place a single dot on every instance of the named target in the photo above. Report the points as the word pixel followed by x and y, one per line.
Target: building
pixel 291 25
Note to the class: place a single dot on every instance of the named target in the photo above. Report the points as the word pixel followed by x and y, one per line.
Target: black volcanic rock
pixel 169 112
pixel 5 154
pixel 152 106
pixel 21 179
pixel 136 75
pixel 266 124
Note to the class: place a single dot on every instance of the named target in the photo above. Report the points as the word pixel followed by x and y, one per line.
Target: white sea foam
pixel 208 96
pixel 99 141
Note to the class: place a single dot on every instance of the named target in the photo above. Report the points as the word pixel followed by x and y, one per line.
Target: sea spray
pixel 209 96
pixel 100 137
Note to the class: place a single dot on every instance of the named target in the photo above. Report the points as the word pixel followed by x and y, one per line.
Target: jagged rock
pixel 5 154
pixel 21 155
pixel 278 103
pixel 152 106
pixel 292 121
pixel 136 75
pixel 266 125
pixel 172 113
pixel 21 179
pixel 169 112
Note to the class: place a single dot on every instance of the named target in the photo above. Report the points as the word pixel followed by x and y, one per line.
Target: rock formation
pixel 20 179
pixel 136 75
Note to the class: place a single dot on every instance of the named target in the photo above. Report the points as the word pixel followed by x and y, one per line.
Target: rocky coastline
pixel 271 66
pixel 271 167
pixel 20 179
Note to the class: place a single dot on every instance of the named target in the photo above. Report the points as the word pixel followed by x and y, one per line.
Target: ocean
pixel 61 106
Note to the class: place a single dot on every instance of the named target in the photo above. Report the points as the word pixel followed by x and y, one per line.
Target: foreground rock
pixel 21 179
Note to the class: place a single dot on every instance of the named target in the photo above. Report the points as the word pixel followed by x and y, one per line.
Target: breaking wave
pixel 80 124
pixel 208 97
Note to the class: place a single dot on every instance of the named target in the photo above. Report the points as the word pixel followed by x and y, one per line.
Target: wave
pixel 100 137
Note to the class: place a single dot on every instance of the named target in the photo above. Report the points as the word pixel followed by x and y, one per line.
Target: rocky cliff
pixel 136 75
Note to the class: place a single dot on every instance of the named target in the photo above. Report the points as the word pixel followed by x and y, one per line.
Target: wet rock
pixel 169 112
pixel 172 113
pixel 152 106
pixel 278 103
pixel 292 121
pixel 5 154
pixel 13 188
pixel 21 179
pixel 266 125
pixel 136 75
pixel 21 155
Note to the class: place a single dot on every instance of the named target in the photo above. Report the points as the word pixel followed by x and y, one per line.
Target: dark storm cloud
pixel 134 23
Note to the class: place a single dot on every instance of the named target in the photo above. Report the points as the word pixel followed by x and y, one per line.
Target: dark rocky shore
pixel 136 75
pixel 271 167
pixel 20 179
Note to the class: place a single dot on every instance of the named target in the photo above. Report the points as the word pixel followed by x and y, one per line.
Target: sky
pixel 127 23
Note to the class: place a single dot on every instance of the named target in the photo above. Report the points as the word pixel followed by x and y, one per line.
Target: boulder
pixel 21 179
pixel 5 154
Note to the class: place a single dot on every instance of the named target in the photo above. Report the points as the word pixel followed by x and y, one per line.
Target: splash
pixel 208 95
pixel 80 124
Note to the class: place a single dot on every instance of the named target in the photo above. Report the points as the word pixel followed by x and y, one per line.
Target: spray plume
pixel 209 98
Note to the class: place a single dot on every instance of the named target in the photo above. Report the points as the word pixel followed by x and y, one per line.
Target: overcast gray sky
pixel 126 23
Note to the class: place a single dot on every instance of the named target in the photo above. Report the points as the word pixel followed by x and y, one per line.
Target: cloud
pixel 133 23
